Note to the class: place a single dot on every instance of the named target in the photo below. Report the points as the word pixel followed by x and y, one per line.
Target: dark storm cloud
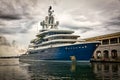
pixel 16 9
pixel 10 17
pixel 115 21
pixel 79 28
pixel 16 16
pixel 8 11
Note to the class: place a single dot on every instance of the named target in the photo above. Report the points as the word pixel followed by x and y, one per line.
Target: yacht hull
pixel 78 51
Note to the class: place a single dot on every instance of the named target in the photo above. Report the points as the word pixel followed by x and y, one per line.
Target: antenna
pixel 49 21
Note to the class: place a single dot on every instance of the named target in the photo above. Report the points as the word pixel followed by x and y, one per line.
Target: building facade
pixel 109 49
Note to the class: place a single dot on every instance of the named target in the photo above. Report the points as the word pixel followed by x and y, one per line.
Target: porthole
pixel 97 45
pixel 82 47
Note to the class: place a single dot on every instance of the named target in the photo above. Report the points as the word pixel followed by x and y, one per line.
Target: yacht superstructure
pixel 54 44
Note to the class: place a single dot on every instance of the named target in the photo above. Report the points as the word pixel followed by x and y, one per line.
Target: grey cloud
pixel 18 10
pixel 7 11
pixel 12 30
pixel 2 24
pixel 115 21
pixel 81 29
pixel 16 30
pixel 117 18
pixel 71 27
pixel 15 9
pixel 84 29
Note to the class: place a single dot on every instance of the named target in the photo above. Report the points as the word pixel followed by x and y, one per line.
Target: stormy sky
pixel 19 19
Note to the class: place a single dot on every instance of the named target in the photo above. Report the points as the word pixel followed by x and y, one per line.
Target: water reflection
pixel 106 71
pixel 12 69
pixel 60 71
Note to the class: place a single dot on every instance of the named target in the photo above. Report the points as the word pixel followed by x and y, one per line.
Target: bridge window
pixel 85 46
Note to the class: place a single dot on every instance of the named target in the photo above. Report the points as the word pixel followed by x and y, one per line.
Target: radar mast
pixel 49 22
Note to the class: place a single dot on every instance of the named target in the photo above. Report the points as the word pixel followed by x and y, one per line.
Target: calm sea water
pixel 13 69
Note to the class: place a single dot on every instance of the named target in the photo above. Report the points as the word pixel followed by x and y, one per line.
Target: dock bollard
pixel 73 65
pixel 73 58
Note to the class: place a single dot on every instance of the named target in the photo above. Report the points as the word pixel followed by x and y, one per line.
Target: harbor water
pixel 13 69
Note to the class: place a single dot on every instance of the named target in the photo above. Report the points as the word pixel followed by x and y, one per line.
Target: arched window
pixel 98 54
pixel 114 54
pixel 106 55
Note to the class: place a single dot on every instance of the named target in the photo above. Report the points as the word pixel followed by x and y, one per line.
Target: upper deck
pixel 54 31
pixel 62 35
pixel 51 35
